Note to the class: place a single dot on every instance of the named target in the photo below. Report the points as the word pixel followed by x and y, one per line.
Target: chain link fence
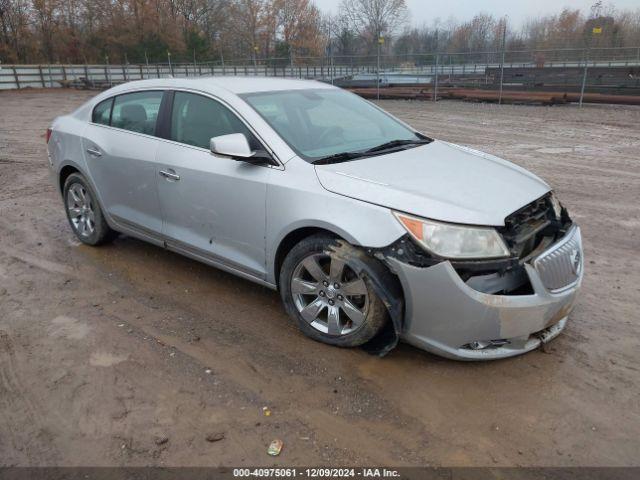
pixel 603 71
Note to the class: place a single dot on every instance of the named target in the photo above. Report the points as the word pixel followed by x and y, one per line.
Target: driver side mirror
pixel 236 146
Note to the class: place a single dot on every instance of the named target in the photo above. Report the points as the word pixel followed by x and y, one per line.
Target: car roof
pixel 237 85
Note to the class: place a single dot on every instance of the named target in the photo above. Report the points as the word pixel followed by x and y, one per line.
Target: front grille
pixel 561 266
pixel 526 228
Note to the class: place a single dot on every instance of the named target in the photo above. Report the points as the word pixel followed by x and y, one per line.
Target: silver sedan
pixel 371 231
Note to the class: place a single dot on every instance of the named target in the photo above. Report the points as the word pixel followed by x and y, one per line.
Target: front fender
pixel 295 199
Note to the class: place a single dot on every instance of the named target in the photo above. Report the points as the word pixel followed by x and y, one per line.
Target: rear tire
pixel 329 300
pixel 84 213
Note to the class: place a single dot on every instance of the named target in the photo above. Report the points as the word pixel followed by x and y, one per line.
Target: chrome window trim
pixel 195 91
pixel 280 166
pixel 113 97
pixel 153 137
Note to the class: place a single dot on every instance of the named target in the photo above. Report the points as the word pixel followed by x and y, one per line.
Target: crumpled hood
pixel 439 180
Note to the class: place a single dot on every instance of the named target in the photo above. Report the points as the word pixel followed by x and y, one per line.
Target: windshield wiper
pixel 339 157
pixel 399 143
pixel 346 156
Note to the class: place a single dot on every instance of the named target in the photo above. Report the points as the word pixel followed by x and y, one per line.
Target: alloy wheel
pixel 329 294
pixel 80 209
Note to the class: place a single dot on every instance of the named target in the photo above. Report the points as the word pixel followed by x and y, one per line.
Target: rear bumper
pixel 444 315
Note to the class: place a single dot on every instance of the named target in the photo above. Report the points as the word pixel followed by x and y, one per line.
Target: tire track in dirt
pixel 31 439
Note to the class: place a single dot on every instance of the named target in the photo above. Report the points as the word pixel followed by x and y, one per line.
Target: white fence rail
pixel 431 64
pixel 52 76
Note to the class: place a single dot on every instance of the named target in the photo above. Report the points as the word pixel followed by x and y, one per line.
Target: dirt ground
pixel 130 355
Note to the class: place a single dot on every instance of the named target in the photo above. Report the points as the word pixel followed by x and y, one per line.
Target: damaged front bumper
pixel 446 316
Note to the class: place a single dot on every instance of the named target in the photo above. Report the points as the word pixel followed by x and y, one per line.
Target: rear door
pixel 120 149
pixel 213 206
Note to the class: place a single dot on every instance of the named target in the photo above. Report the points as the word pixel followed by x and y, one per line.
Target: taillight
pixel 48 134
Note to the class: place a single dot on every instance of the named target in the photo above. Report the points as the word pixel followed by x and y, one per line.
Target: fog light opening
pixel 485 344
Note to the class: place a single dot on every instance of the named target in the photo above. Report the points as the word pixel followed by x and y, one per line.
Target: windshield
pixel 318 123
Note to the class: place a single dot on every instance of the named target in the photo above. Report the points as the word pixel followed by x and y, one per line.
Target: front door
pixel 213 207
pixel 120 151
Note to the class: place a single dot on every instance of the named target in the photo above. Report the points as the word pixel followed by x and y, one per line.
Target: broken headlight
pixel 454 241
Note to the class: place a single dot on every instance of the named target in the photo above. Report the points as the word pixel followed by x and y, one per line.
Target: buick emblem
pixel 575 260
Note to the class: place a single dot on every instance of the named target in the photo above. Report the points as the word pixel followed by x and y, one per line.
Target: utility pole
pixel 330 54
pixel 504 43
pixel 380 42
pixel 217 36
pixel 584 76
pixel 435 78
pixel 435 83
pixel 108 71
pixel 331 62
pixel 86 70
pixel 594 31
pixel 146 60
pixel 195 65
pixel 169 60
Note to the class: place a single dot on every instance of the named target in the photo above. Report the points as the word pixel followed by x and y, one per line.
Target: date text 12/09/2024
pixel 316 472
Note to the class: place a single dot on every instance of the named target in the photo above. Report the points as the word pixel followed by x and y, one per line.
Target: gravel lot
pixel 131 355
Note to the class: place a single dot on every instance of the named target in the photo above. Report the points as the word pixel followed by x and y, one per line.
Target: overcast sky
pixel 425 11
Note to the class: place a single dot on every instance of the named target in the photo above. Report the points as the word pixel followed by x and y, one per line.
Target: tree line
pixel 245 31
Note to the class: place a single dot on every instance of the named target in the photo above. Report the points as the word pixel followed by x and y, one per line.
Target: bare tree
pixel 297 24
pixel 16 36
pixel 45 12
pixel 373 19
pixel 247 24
pixel 629 22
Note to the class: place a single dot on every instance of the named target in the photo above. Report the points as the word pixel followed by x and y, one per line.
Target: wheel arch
pixel 69 168
pixel 292 238
pixel 64 173
pixel 384 281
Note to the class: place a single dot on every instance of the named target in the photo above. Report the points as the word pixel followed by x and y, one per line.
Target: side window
pixel 196 119
pixel 137 112
pixel 102 112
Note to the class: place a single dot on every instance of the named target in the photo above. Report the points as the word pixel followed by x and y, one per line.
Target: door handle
pixel 94 152
pixel 170 175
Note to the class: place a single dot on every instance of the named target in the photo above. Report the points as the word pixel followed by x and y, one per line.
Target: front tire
pixel 330 301
pixel 84 213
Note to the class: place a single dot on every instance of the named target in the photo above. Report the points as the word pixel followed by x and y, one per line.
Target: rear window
pixel 102 112
pixel 137 112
